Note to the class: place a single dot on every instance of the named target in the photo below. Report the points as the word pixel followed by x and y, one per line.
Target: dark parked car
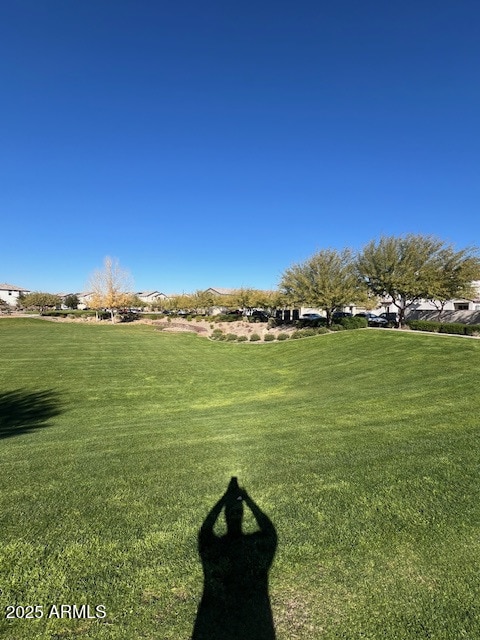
pixel 391 318
pixel 372 319
pixel 336 315
pixel 261 316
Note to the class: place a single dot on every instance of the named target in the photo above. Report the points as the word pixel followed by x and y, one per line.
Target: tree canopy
pixel 71 301
pixel 327 281
pixel 409 268
pixel 455 272
pixel 41 300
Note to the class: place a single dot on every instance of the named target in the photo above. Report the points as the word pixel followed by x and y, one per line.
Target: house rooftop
pixel 4 286
pixel 221 290
pixel 150 293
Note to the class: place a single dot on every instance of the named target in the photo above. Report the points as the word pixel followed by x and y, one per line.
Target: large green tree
pixel 41 300
pixel 71 301
pixel 327 281
pixel 403 269
pixel 453 278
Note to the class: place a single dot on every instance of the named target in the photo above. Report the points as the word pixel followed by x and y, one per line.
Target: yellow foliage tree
pixel 111 287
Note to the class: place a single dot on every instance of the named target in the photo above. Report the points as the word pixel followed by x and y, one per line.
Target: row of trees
pixel 396 270
pixel 110 289
pixel 244 298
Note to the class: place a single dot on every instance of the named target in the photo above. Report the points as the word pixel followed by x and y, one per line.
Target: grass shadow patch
pixel 23 411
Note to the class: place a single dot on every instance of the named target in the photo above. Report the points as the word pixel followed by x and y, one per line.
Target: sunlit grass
pixel 362 447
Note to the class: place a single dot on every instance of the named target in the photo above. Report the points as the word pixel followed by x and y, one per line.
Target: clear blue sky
pixel 215 143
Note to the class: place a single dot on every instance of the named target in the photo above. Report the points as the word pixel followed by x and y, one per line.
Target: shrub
pixel 453 327
pixel 304 333
pixel 308 331
pixel 355 322
pixel 216 333
pixel 321 330
pixel 305 322
pixel 53 314
pixel 424 325
pixel 268 337
pixel 242 339
pixel 272 322
pixel 104 315
pixel 282 336
pixel 472 329
pixel 337 327
pixel 231 337
pixel 254 337
pixel 227 317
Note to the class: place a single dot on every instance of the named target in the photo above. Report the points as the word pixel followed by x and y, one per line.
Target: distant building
pixel 457 304
pixel 84 299
pixel 10 293
pixel 151 297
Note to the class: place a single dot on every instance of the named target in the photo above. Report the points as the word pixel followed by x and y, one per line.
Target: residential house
pixel 10 293
pixel 151 297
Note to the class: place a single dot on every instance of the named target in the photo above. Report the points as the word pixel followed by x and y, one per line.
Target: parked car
pixel 336 315
pixel 391 318
pixel 372 319
pixel 310 316
pixel 261 316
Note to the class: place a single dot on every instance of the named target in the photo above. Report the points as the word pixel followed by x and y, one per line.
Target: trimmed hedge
pixel 472 329
pixel 356 322
pixel 453 328
pixel 424 325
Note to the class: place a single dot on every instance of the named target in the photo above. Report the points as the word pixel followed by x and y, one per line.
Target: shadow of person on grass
pixel 22 411
pixel 235 604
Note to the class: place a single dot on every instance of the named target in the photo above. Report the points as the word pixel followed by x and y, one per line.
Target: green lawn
pixel 361 446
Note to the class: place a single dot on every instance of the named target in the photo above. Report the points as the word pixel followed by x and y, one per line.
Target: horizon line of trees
pixel 395 270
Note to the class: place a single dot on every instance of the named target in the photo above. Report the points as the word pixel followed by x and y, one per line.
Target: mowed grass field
pixel 362 447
